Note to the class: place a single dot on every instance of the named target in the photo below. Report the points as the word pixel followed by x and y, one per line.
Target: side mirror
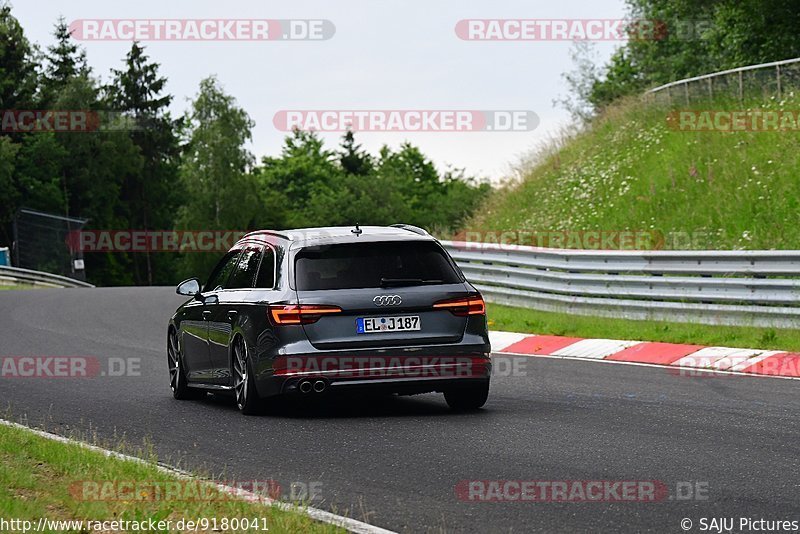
pixel 190 287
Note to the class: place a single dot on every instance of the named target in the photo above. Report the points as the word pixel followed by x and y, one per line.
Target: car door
pixel 194 341
pixel 230 306
pixel 214 288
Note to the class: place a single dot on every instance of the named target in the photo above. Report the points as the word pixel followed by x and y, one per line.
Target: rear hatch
pixel 379 294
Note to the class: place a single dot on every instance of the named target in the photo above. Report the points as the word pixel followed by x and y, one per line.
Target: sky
pixel 384 55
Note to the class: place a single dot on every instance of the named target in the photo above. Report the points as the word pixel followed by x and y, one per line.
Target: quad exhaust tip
pixel 319 386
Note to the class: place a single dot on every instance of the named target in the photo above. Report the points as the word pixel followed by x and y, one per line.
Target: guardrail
pixel 758 288
pixel 13 275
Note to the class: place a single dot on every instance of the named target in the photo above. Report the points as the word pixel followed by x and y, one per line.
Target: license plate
pixel 372 325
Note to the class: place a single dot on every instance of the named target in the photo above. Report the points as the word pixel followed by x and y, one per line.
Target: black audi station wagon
pixel 315 311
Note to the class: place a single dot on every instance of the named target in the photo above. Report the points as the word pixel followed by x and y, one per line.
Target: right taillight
pixel 289 314
pixel 463 306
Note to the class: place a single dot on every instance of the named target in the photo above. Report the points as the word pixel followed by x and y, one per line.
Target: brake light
pixel 463 306
pixel 283 314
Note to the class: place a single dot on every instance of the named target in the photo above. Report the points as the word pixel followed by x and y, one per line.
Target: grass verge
pixel 632 171
pixel 15 286
pixel 513 319
pixel 40 477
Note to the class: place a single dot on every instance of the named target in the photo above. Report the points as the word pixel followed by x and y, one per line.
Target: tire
pixel 467 399
pixel 247 399
pixel 177 377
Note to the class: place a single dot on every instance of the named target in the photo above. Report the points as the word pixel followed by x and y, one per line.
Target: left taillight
pixel 289 314
pixel 464 306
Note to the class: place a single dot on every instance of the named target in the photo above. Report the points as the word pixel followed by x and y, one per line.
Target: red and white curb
pixel 674 355
pixel 351 525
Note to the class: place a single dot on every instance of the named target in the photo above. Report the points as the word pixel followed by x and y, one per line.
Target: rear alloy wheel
pixel 247 399
pixel 177 377
pixel 469 398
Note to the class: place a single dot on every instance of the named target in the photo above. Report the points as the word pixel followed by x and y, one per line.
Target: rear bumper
pixel 403 386
pixel 398 373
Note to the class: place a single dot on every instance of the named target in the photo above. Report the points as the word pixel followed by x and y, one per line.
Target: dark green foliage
pixel 148 197
pixel 64 60
pixel 699 37
pixel 350 186
pixel 219 191
pixel 18 77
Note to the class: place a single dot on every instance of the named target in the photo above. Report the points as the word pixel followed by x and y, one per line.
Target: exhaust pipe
pixel 320 386
pixel 305 387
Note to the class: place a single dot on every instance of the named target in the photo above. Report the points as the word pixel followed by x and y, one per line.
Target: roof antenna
pixel 358 231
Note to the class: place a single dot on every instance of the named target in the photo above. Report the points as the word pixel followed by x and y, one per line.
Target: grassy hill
pixel 631 171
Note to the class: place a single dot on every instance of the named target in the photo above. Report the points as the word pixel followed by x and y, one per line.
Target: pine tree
pixel 65 60
pixel 17 68
pixel 352 158
pixel 138 92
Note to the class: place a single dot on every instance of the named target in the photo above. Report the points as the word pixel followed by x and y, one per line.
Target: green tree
pixel 92 173
pixel 8 189
pixel 754 31
pixel 397 186
pixel 352 158
pixel 38 172
pixel 289 181
pixel 18 82
pixel 150 196
pixel 580 81
pixel 415 176
pixel 76 173
pixel 64 60
pixel 220 192
pixel 18 76
pixel 693 38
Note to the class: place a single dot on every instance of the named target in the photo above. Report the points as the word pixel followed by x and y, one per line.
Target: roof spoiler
pixel 411 228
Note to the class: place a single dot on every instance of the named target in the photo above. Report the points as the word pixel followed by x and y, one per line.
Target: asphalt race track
pixel 395 462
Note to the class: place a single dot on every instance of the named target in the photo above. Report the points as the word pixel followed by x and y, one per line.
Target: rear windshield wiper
pixel 397 282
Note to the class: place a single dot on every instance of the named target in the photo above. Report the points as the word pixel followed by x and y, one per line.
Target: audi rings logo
pixel 387 300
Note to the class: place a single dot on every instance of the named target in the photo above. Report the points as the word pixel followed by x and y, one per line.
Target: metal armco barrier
pixel 12 275
pixel 758 288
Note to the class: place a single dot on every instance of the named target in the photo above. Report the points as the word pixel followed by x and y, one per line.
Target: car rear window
pixel 371 265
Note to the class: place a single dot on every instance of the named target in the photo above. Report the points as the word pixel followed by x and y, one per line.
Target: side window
pixel 266 273
pixel 220 274
pixel 245 273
